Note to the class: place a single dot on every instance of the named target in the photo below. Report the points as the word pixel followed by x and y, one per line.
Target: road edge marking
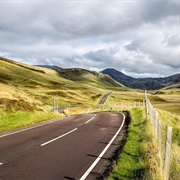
pixel 103 152
pixel 16 132
pixel 58 137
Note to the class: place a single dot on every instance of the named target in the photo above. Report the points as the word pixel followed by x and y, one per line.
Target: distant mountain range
pixel 128 81
pixel 143 83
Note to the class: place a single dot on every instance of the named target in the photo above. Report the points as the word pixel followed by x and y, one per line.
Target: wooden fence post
pixel 168 153
pixel 146 108
pixel 156 125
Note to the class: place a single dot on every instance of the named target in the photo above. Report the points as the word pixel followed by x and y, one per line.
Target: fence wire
pixel 163 134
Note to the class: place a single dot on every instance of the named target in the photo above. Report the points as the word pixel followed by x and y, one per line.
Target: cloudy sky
pixel 138 37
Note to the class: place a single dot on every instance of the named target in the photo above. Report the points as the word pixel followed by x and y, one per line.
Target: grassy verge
pixel 21 119
pixel 169 119
pixel 137 160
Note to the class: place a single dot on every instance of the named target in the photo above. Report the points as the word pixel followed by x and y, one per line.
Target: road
pixel 103 100
pixel 70 148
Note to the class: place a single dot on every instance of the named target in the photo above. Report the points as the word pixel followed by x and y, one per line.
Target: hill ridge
pixel 141 83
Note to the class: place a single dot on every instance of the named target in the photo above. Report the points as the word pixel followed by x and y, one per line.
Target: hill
pixel 25 87
pixel 49 66
pixel 92 77
pixel 141 83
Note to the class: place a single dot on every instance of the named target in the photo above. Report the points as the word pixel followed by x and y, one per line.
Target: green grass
pixel 166 99
pixel 137 160
pixel 35 86
pixel 12 121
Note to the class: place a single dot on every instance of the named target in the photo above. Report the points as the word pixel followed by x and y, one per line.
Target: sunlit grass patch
pixel 137 159
pixel 21 119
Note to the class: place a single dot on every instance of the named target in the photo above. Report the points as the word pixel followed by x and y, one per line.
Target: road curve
pixel 63 149
pixel 104 98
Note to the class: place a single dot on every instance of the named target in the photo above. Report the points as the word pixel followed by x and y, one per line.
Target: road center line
pixel 103 152
pixel 89 120
pixel 58 137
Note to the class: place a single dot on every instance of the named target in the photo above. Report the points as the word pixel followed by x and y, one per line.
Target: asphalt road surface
pixel 76 147
pixel 104 99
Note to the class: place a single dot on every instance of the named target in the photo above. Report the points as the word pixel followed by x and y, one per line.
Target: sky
pixel 140 38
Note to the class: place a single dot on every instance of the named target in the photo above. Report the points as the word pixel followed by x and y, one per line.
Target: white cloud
pixel 139 37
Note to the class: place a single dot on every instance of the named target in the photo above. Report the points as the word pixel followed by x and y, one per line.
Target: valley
pixel 27 95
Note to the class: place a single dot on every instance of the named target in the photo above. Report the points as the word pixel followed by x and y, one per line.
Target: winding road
pixel 104 98
pixel 76 147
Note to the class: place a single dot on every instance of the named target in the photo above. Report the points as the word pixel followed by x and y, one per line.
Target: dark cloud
pixel 138 37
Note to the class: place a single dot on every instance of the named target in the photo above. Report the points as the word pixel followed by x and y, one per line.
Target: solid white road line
pixel 89 120
pixel 1 164
pixel 58 137
pixel 103 152
pixel 30 128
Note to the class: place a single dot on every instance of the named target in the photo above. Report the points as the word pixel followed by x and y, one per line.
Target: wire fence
pixel 122 106
pixel 169 161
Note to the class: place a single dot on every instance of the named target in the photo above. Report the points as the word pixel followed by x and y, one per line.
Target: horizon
pixel 138 38
pixel 99 71
pixel 103 70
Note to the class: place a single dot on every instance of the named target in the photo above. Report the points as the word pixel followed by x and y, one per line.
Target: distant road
pixel 104 99
pixel 64 149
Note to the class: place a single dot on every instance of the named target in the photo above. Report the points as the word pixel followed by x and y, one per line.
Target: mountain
pixel 25 87
pixel 92 77
pixel 141 83
pixel 119 76
pixel 174 85
pixel 177 81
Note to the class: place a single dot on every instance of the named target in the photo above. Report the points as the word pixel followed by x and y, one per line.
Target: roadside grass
pixel 168 100
pixel 19 119
pixel 137 159
pixel 169 119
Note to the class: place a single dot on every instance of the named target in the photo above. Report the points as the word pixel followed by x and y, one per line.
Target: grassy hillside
pixel 26 92
pixel 25 87
pixel 167 99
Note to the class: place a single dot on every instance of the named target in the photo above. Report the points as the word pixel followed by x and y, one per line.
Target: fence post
pixel 156 125
pixel 159 143
pixel 159 134
pixel 168 153
pixel 145 96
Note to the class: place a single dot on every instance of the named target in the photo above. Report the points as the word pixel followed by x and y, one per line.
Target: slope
pixel 25 87
pixel 141 83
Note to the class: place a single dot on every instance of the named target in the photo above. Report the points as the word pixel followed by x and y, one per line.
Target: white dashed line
pixel 58 137
pixel 1 164
pixel 89 120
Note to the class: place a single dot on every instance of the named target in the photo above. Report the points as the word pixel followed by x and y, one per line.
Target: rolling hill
pixel 25 87
pixel 141 83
